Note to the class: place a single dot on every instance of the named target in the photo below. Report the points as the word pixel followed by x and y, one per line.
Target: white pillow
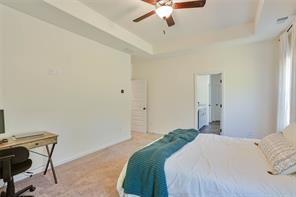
pixel 280 153
pixel 291 170
pixel 290 133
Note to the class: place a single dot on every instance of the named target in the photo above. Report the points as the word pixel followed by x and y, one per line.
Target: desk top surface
pixel 18 142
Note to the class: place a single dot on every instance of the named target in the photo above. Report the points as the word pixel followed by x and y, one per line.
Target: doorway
pixel 208 103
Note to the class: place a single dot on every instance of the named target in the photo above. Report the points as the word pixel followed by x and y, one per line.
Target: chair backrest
pixel 21 154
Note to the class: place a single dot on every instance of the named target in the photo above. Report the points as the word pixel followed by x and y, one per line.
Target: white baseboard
pixel 159 132
pixel 71 158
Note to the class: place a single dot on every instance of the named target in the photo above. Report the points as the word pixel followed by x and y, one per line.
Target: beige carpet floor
pixel 94 175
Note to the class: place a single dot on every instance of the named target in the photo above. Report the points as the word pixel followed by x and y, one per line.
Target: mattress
pixel 221 166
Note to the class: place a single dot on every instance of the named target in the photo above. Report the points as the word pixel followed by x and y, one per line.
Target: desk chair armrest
pixel 6 167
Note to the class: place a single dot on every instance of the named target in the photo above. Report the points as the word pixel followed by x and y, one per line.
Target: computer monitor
pixel 2 124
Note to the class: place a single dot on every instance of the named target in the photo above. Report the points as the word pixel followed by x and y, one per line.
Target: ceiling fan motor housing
pixel 164 3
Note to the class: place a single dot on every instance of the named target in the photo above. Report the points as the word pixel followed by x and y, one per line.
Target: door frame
pixel 222 123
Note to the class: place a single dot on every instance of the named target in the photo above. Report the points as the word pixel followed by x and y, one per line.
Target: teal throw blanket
pixel 145 175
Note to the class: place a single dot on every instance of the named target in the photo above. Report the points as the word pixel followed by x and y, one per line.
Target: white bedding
pixel 221 166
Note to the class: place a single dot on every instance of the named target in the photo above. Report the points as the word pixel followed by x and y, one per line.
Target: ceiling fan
pixel 165 8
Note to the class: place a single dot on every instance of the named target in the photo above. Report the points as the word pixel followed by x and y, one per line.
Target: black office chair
pixel 14 161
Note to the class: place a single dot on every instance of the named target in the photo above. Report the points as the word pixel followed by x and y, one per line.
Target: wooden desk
pixel 34 142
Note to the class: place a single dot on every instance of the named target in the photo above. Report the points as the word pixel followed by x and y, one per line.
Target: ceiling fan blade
pixel 152 2
pixel 170 21
pixel 190 4
pixel 144 16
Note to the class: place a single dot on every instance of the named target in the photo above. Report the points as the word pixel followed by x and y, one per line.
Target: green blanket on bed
pixel 145 175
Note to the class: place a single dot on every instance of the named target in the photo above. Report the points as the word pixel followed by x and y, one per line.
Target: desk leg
pixel 49 161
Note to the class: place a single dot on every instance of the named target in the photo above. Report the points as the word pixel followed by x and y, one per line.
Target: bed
pixel 213 165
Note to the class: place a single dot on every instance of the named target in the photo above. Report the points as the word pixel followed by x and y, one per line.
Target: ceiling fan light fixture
pixel 165 8
pixel 164 11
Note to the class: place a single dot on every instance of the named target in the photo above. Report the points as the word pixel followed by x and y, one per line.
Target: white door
pixel 216 97
pixel 139 105
pixel 202 88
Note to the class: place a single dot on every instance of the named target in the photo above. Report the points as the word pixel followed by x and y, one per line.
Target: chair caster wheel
pixel 32 189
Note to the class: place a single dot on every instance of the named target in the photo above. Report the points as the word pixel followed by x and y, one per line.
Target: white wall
pixel 58 81
pixel 249 73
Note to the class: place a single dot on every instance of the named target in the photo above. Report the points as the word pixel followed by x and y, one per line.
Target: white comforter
pixel 217 166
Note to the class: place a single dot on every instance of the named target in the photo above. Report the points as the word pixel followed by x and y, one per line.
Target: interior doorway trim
pixel 195 104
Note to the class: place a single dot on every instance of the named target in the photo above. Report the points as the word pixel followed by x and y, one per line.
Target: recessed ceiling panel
pixel 215 16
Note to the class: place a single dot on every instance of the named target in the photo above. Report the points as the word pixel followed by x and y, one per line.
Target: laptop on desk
pixel 30 134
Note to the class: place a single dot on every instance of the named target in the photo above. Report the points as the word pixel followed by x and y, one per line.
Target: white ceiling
pixel 218 21
pixel 270 12
pixel 216 15
pixel 110 22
